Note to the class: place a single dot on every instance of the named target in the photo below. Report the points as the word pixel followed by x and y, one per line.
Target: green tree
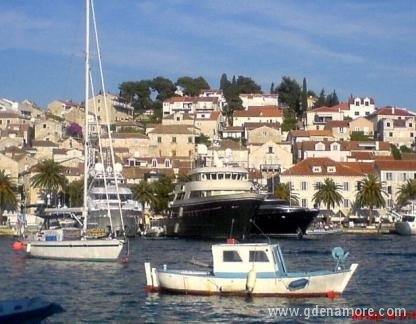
pixel 405 149
pixel 7 194
pixel 304 97
pixel 327 193
pixel 370 194
pixel 247 85
pixel 163 189
pixel 164 87
pixel 50 177
pixel 332 99
pixel 192 86
pixel 283 191
pixel 395 152
pixel 359 136
pixel 321 99
pixel 224 83
pixel 144 193
pixel 75 193
pixel 137 93
pixel 406 192
pixel 290 93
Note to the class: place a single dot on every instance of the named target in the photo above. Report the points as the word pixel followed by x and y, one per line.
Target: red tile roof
pixel 266 111
pixel 397 165
pixel 305 168
pixel 393 111
pixel 336 123
pixel 313 132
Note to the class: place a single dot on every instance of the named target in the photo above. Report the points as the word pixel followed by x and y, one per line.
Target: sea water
pixel 114 292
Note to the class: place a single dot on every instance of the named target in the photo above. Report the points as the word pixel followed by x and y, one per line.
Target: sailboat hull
pixel 82 250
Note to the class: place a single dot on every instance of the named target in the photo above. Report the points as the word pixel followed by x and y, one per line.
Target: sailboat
pixel 51 243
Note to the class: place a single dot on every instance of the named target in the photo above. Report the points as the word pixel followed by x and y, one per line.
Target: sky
pixel 360 48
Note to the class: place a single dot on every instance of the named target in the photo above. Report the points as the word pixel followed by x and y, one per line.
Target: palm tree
pixel 327 193
pixel 283 191
pixel 7 193
pixel 371 194
pixel 144 192
pixel 406 192
pixel 50 176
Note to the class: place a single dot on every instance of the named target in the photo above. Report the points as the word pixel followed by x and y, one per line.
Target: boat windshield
pixel 408 218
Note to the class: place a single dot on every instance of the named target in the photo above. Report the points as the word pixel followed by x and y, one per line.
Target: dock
pixel 385 229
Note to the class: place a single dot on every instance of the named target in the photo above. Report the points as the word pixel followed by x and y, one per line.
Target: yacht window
pixel 213 176
pixel 227 176
pixel 195 194
pixel 208 176
pixel 231 256
pixel 258 256
pixel 220 176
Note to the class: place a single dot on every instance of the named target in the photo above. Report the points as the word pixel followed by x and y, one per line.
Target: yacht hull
pixel 405 228
pixel 215 217
pixel 81 250
pixel 276 219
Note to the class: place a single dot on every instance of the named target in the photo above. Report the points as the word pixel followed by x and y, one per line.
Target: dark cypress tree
pixel 304 97
pixel 272 88
pixel 321 99
pixel 224 83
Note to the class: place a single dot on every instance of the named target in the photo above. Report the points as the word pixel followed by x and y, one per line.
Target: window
pixel 346 203
pixel 167 163
pixel 258 256
pixel 154 163
pixel 389 190
pixel 44 125
pixel 173 139
pixel 304 185
pixel 410 125
pixel 391 134
pixel 411 134
pixel 231 256
pixel 316 169
pixel 173 152
pixel 341 130
pixel 159 139
pixel 357 103
pixel 366 103
pixel 346 186
pixel 404 176
pixel 189 139
pixel 388 124
pixel 356 113
pixel 389 176
pixel 178 118
pixel 270 149
pixel 331 169
pixel 304 202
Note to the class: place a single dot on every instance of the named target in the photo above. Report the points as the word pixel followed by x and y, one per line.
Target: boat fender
pixel 19 246
pixel 298 284
pixel 251 281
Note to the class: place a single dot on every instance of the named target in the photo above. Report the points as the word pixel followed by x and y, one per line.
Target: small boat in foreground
pixel 252 269
pixel 27 309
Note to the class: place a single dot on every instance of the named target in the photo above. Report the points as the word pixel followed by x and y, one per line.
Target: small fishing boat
pixel 27 309
pixel 252 269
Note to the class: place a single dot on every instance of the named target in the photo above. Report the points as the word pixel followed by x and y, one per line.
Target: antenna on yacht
pixel 261 232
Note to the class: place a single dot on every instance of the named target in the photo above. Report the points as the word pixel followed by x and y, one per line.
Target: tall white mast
pixel 86 128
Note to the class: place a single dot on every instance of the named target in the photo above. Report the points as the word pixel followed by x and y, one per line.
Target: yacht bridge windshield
pixel 203 176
